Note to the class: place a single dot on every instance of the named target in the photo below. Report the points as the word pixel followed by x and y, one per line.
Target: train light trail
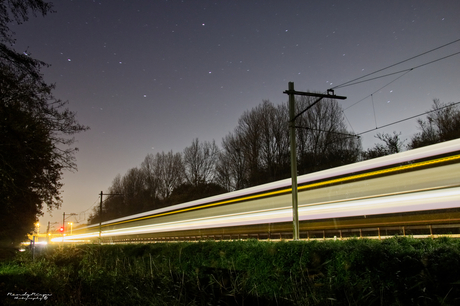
pixel 424 181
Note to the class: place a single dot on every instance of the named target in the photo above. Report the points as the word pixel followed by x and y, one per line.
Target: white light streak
pixel 410 202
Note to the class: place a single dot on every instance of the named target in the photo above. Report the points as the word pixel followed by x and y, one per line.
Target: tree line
pixel 258 152
pixel 442 123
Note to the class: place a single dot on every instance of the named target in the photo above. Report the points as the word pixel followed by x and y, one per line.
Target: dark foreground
pixel 397 271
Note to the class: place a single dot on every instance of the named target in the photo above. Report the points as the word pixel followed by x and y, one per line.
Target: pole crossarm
pixel 330 94
pixel 313 94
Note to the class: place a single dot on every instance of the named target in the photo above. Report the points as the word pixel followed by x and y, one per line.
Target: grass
pixel 397 271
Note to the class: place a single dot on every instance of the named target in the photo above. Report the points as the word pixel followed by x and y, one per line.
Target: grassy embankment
pixel 398 271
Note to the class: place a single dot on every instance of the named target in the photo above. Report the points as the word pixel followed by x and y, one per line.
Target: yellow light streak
pixel 411 201
pixel 300 188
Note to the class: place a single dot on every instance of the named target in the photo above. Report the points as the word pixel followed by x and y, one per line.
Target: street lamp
pixel 63 223
pixel 70 227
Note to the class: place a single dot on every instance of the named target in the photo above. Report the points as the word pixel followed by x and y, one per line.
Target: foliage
pixel 397 271
pixel 34 132
pixel 258 150
pixel 187 192
pixel 142 189
pixel 442 124
pixel 199 161
pixel 392 145
pixel 18 11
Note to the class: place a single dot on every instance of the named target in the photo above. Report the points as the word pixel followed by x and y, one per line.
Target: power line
pixel 405 71
pixel 319 130
pixel 411 58
pixel 84 211
pixel 373 107
pixel 377 90
pixel 409 118
pixel 401 71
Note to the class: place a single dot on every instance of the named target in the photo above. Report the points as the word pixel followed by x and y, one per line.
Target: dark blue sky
pixel 150 76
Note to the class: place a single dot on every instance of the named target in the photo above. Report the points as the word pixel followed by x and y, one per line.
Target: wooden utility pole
pixel 292 136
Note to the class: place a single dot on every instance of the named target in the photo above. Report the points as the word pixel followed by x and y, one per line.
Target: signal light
pixel 61 229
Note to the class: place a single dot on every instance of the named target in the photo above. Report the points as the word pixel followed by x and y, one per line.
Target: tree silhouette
pixel 442 124
pixel 35 146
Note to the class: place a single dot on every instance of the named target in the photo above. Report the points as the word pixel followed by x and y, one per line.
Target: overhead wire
pixel 84 211
pixel 401 71
pixel 393 65
pixel 409 118
pixel 378 90
pixel 373 108
pixel 404 71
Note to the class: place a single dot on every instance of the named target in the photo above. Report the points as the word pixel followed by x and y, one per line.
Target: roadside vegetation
pixel 396 271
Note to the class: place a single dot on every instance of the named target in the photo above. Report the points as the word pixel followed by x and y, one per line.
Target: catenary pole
pixel 63 226
pixel 100 218
pixel 100 211
pixel 292 137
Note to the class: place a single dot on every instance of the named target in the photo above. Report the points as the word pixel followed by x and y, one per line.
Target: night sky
pixel 152 75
